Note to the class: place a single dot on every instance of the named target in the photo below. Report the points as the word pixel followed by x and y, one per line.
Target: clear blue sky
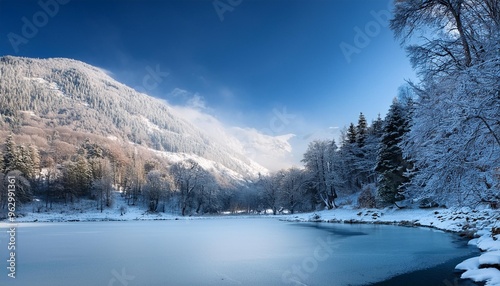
pixel 243 62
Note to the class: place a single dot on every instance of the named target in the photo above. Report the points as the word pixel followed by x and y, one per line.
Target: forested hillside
pixel 67 95
pixel 71 131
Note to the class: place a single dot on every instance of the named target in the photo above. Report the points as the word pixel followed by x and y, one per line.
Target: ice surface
pixel 222 252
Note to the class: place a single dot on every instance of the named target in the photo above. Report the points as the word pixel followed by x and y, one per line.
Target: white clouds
pixel 280 143
pixel 197 101
pixel 178 92
pixel 193 100
pixel 271 151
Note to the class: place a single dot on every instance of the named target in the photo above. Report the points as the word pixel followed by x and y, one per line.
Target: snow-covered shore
pixel 477 224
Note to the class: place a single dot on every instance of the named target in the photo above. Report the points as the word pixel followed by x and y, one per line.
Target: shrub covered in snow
pixel 367 198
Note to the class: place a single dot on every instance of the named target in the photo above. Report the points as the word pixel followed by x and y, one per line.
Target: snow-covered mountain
pixel 67 93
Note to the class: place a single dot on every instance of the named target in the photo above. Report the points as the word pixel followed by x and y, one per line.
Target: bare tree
pixel 319 164
pixel 456 34
pixel 270 187
pixel 102 184
pixel 294 189
pixel 156 190
pixel 186 177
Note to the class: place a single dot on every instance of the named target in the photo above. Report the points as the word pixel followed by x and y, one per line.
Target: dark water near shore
pixel 441 275
pixel 231 252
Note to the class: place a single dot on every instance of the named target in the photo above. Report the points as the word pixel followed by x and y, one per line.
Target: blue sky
pixel 273 65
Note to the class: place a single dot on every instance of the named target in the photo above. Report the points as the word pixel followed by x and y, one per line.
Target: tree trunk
pixel 463 38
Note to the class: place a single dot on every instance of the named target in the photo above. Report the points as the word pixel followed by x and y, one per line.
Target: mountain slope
pixel 67 93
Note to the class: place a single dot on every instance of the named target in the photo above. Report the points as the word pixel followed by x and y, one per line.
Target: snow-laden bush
pixel 367 197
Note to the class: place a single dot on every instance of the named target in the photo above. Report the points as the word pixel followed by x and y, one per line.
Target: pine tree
pixel 361 130
pixel 377 127
pixel 27 161
pixel 83 176
pixel 77 178
pixel 391 166
pixel 10 154
pixel 23 161
pixel 92 150
pixel 35 160
pixel 351 134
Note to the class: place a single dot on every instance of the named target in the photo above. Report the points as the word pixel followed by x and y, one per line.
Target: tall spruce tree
pixel 351 134
pixel 24 162
pixel 377 127
pixel 9 155
pixel 391 166
pixel 361 130
pixel 35 160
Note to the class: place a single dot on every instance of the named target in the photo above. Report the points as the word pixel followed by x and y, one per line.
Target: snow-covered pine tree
pixel 9 154
pixel 23 161
pixel 358 156
pixel 391 166
pixel 365 164
pixel 377 127
pixel 27 161
pixel 77 179
pixel 351 134
pixel 361 130
pixel 348 159
pixel 35 160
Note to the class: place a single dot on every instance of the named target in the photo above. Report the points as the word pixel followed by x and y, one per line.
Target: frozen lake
pixel 227 251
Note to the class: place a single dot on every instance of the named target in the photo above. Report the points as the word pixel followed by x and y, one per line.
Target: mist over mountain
pixel 41 96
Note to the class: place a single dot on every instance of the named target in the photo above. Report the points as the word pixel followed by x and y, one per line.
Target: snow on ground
pixel 471 222
pixel 490 275
pixel 86 210
pixel 50 85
